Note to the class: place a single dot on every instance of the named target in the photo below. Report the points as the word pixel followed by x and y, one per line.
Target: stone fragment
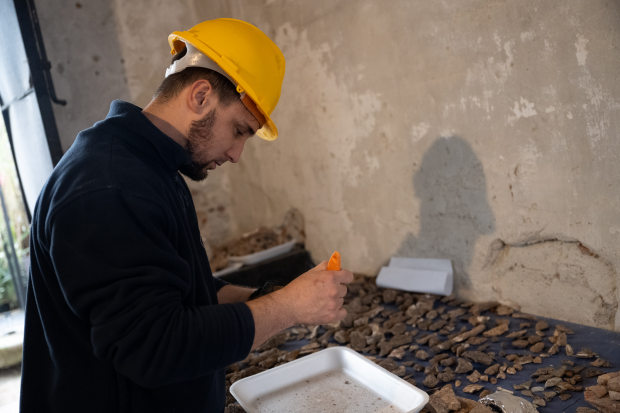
pixel 501 375
pixel 605 404
pixel 539 402
pixel 448 362
pixel 493 380
pixel 342 336
pixel 604 378
pixel 474 377
pixel 504 310
pixel 446 376
pixel 418 367
pixel 479 357
pixel 614 395
pixel 473 332
pixel 437 405
pixel 552 382
pixel 472 388
pixel 561 340
pixel 463 366
pixel 585 353
pixel 593 373
pixel 554 349
pixel 457 383
pixel 358 342
pixel 598 390
pixel 398 353
pixel 511 370
pixel 541 325
pixel 520 343
pixel 525 385
pixel 492 370
pixel 569 350
pixel 389 295
pixel 447 395
pixel 537 360
pixel 538 347
pixel 385 348
pixel 474 341
pixel 484 377
pixel 431 381
pixel 400 340
pixel 467 405
pixel 614 383
pixel 599 362
pixel 497 331
pixel 564 396
pixel 586 410
pixel 421 354
pixel 534 339
pixel 517 334
pixel 398 329
pixel 484 393
pixel 538 389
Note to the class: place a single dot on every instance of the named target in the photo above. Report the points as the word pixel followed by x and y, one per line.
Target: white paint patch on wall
pixel 522 109
pixel 582 53
pixel 419 131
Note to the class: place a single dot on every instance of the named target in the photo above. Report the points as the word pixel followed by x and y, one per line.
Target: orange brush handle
pixel 334 262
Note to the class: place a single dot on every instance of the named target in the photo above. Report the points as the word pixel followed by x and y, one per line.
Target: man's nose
pixel 234 153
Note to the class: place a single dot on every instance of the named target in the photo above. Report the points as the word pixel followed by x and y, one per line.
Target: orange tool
pixel 334 265
pixel 334 262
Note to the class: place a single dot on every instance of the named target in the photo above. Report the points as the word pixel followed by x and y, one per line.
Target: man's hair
pixel 174 84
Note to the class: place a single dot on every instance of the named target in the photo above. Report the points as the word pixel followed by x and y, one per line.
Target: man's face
pixel 217 138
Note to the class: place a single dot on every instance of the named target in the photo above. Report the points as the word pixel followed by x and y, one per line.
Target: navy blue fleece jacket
pixel 122 312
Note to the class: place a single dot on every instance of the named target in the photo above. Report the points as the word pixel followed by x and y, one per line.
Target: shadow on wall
pixel 454 210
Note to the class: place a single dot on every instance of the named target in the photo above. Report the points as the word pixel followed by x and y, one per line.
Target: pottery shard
pixel 398 329
pixel 517 334
pixel 463 366
pixel 437 405
pixel 497 331
pixel 358 342
pixel 472 388
pixel 605 404
pixel 447 395
pixel 554 349
pixel 614 395
pixel 421 354
pixel 552 382
pixel 538 347
pixel 561 340
pixel 479 357
pixel 473 332
pixel 446 376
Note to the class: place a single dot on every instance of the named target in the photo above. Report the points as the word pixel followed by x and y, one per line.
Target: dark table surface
pixel 603 342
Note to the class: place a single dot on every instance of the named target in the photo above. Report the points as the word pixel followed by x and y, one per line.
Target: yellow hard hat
pixel 248 56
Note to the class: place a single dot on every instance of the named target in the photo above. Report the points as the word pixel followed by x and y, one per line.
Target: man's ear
pixel 201 97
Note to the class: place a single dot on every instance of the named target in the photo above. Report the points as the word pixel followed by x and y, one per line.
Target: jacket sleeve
pixel 115 260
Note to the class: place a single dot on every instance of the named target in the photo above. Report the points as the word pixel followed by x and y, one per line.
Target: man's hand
pixel 315 297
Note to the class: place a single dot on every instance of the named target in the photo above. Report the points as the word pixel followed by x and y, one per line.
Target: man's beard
pixel 200 131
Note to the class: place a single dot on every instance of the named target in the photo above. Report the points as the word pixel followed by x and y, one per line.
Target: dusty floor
pixel 10 379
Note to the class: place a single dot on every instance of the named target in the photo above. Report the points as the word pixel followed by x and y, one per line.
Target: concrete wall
pixel 481 131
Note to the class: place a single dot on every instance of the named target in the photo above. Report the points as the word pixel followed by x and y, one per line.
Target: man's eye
pixel 239 133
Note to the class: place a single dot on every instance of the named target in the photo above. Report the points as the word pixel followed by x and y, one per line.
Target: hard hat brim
pixel 177 40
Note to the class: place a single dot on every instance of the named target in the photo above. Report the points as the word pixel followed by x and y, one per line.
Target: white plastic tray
pixel 231 268
pixel 426 275
pixel 265 254
pixel 336 379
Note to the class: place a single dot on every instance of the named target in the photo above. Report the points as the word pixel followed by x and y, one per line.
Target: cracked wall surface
pixel 412 128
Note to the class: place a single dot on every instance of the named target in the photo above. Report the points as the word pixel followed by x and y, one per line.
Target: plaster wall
pixel 481 131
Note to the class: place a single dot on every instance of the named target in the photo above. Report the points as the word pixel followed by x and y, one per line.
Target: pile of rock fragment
pixel 387 326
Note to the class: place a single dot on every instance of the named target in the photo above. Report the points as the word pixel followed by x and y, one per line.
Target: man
pixel 123 314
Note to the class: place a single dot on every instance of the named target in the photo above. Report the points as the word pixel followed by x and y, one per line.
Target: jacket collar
pixel 162 147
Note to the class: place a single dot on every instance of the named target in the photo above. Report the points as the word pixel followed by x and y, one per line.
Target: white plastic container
pixel 336 379
pixel 265 254
pixel 232 267
pixel 425 275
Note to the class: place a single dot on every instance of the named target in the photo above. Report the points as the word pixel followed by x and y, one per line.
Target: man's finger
pixel 343 276
pixel 342 291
